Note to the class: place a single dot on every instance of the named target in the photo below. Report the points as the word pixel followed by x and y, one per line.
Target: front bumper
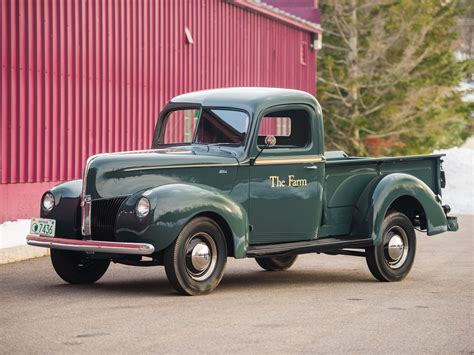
pixel 95 246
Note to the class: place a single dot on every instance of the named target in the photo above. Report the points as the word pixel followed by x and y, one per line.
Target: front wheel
pixel 195 262
pixel 74 267
pixel 276 263
pixel 394 257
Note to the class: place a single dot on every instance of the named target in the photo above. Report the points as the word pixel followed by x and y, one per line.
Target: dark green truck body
pixel 284 199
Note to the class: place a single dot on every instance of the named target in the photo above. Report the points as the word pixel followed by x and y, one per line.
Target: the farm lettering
pixel 291 181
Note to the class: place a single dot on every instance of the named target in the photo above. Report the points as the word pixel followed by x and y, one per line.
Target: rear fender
pixel 172 207
pixel 381 193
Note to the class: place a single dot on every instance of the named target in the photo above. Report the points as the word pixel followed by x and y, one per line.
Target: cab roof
pixel 251 99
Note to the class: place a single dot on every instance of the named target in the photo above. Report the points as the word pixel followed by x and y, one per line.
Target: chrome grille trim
pixel 86 202
pixel 86 208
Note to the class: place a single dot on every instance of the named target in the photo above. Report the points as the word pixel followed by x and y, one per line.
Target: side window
pixel 291 128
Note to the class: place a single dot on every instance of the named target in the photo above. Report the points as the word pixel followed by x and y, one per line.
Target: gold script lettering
pixel 296 182
pixel 277 182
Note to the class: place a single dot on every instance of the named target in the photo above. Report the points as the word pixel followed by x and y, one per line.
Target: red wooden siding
pixel 84 77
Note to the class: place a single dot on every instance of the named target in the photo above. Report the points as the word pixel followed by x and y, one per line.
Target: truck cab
pixel 239 172
pixel 290 171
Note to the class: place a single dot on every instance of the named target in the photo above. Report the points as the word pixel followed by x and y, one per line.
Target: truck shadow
pixel 124 287
pixel 232 282
pixel 292 278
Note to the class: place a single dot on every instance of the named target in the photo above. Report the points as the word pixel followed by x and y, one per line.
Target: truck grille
pixel 103 216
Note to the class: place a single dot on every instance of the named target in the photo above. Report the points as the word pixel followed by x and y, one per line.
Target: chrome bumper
pixel 95 246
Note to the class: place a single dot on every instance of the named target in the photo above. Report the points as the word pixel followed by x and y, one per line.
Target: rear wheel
pixel 74 267
pixel 394 257
pixel 276 263
pixel 195 262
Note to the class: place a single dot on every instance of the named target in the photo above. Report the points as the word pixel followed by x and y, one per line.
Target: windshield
pixel 205 126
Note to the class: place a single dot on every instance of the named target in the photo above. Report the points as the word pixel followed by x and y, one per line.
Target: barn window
pixel 304 52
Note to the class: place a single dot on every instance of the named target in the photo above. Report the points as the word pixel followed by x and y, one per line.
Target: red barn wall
pixel 85 77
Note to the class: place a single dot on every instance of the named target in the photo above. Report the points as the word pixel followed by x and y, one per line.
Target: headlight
pixel 48 202
pixel 143 207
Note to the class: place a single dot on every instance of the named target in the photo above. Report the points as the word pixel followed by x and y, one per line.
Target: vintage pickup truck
pixel 239 172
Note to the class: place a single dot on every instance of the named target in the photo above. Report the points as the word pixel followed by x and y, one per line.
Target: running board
pixel 312 246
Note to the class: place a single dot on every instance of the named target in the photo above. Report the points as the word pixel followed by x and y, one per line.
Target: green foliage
pixel 387 73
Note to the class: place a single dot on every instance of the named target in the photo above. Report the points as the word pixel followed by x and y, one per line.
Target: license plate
pixel 43 226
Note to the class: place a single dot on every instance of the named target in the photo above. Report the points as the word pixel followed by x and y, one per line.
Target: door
pixel 286 179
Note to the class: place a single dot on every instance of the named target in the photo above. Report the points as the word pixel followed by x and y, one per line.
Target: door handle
pixel 311 167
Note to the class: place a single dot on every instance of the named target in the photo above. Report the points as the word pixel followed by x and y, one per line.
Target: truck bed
pixel 347 177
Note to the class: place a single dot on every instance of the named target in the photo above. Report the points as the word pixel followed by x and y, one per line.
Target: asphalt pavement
pixel 324 304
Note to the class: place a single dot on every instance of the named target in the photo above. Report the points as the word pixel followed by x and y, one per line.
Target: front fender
pixel 66 211
pixel 173 206
pixel 380 194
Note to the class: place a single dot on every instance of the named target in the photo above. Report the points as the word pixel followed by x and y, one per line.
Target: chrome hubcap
pixel 201 256
pixel 396 247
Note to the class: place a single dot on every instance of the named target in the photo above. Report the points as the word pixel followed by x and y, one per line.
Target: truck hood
pixel 122 174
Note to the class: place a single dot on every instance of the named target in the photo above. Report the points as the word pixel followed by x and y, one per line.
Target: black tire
pixel 394 257
pixel 276 263
pixel 195 262
pixel 74 267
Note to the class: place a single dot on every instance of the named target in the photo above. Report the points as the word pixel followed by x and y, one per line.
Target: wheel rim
pixel 396 247
pixel 201 256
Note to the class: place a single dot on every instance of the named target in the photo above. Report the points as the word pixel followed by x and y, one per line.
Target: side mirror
pixel 270 141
